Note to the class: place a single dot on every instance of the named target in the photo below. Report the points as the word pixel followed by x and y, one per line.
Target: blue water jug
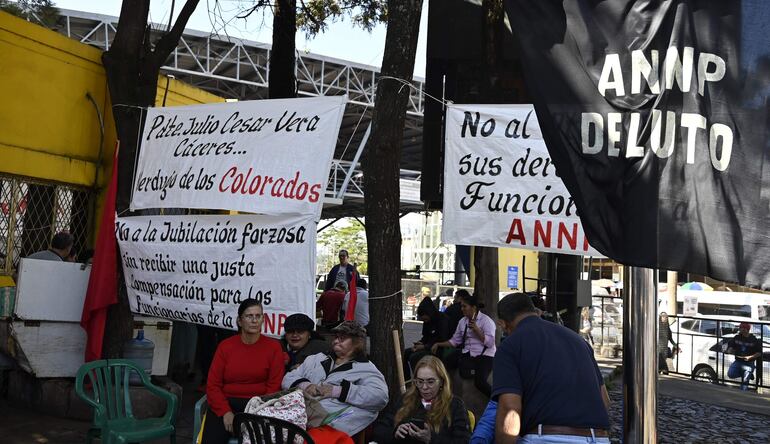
pixel 139 350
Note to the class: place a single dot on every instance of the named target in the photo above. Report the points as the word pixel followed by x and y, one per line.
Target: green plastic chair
pixel 108 394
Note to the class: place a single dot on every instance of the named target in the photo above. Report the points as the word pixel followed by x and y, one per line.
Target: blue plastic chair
pixel 200 409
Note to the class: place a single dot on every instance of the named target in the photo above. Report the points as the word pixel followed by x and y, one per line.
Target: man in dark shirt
pixel 435 328
pixel 455 312
pixel 342 272
pixel 330 303
pixel 546 381
pixel 747 349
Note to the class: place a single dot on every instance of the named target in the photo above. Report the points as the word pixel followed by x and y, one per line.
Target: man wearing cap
pixel 537 400
pixel 746 348
pixel 60 249
pixel 342 272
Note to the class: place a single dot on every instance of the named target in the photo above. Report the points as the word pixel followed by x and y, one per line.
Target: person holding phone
pixel 475 338
pixel 428 413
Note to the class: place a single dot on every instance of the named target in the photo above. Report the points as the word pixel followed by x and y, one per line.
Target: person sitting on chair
pixel 435 328
pixel 300 340
pixel 428 413
pixel 245 365
pixel 348 384
pixel 475 337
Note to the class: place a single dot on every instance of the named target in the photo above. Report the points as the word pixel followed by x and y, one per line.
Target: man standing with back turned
pixel 546 381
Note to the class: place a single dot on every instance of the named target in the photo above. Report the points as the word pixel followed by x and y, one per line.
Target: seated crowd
pixel 354 392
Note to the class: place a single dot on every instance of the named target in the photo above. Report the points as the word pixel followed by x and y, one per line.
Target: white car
pixel 698 338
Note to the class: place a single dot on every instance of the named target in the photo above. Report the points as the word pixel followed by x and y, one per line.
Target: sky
pixel 341 40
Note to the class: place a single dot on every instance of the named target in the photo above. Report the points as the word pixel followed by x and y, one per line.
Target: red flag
pixel 103 281
pixel 350 311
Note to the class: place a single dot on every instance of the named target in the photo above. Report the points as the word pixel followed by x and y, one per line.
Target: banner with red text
pixel 500 186
pixel 261 156
pixel 198 269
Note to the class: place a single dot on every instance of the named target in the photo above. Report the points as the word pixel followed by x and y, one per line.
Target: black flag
pixel 656 114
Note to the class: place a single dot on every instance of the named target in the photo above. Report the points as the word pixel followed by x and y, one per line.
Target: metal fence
pixel 704 354
pixel 606 318
pixel 31 212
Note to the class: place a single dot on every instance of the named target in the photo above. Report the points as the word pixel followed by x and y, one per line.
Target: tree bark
pixel 132 65
pixel 486 285
pixel 381 183
pixel 282 78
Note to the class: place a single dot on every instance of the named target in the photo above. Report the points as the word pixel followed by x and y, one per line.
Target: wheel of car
pixel 705 374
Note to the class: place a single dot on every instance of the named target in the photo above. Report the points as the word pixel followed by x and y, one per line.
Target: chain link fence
pixel 31 212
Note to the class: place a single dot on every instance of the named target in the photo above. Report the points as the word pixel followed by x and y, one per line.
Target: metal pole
pixel 640 355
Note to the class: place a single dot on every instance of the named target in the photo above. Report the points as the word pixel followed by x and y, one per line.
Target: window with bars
pixel 31 212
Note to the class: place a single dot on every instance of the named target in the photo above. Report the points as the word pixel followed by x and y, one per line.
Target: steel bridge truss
pixel 239 69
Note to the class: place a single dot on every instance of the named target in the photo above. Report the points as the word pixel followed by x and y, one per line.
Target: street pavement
pixel 688 412
pixel 695 412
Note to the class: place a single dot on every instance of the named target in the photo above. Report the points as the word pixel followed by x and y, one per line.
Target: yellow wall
pixel 48 128
pixel 512 257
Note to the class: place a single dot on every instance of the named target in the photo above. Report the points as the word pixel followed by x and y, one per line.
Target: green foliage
pixel 349 237
pixel 314 16
pixel 43 12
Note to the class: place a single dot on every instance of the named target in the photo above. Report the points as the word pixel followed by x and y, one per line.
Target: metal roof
pixel 236 68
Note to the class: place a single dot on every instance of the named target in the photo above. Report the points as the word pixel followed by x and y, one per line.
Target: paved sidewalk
pixel 688 412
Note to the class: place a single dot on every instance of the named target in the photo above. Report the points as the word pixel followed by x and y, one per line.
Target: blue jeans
pixel 534 438
pixel 741 369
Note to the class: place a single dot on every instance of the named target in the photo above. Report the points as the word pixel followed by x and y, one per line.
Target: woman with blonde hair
pixel 429 413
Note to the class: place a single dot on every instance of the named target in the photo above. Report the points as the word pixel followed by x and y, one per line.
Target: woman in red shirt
pixel 244 365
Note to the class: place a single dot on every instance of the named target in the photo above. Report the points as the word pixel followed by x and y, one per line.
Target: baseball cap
pixel 350 328
pixel 745 325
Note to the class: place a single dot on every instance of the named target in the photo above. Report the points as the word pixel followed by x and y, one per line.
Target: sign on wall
pixel 263 156
pixel 500 186
pixel 513 276
pixel 198 269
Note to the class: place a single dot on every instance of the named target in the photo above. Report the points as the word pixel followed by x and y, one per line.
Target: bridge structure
pixel 238 69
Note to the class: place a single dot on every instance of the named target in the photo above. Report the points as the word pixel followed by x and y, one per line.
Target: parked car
pixel 698 340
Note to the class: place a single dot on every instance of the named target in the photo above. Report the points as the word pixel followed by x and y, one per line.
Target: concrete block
pixel 54 396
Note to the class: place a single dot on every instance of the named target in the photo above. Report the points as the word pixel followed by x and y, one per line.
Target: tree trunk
pixel 132 66
pixel 486 284
pixel 381 183
pixel 282 79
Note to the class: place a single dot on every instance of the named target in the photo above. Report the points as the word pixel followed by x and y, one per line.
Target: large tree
pixel 311 16
pixel 132 65
pixel 381 164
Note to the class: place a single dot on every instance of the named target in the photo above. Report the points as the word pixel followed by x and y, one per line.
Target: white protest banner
pixel 199 268
pixel 261 156
pixel 500 187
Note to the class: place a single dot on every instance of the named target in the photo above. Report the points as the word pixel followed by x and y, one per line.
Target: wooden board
pixel 51 291
pixel 53 349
